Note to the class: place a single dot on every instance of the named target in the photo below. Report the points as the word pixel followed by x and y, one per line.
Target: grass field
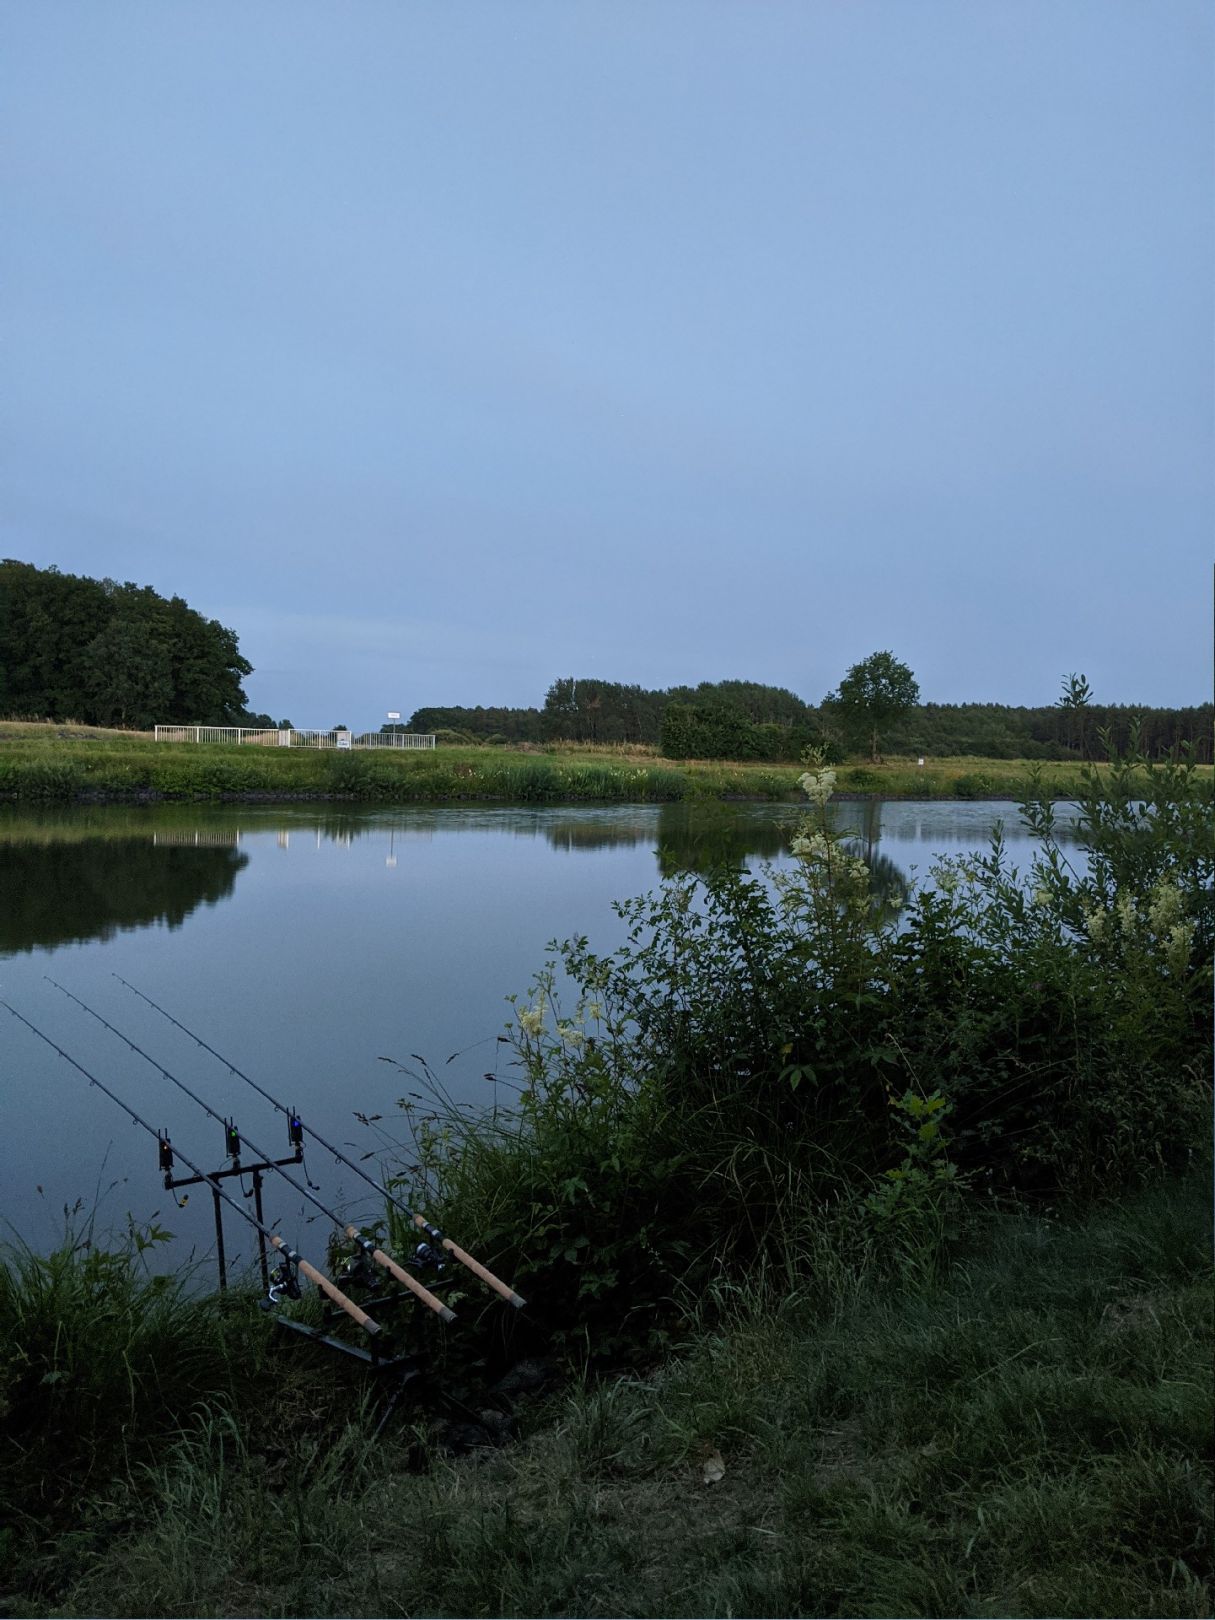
pixel 45 763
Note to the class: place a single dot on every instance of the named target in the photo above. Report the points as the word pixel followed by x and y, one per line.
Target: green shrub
pixel 758 1048
pixel 860 779
pixel 350 773
pixel 41 780
pixel 972 785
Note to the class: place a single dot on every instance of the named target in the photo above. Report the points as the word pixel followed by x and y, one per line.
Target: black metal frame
pixel 256 1171
pixel 400 1371
pixel 405 1368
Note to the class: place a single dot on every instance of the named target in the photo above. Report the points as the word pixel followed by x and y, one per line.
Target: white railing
pixel 251 736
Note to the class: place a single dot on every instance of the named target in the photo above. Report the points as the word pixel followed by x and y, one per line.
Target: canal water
pixel 322 951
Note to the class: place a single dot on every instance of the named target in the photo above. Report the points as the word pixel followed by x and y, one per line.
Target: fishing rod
pixel 294 1122
pixel 167 1153
pixel 235 1138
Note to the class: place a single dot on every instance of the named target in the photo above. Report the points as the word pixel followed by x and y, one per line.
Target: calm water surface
pixel 308 944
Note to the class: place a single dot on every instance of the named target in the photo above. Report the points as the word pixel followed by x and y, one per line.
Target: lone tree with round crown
pixel 872 694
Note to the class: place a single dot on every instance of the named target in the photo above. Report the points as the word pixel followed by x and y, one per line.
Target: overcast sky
pixel 441 349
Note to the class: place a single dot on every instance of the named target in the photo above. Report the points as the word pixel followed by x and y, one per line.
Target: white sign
pixel 394 714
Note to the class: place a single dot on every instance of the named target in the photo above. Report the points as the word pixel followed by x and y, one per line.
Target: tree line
pixel 1049 731
pixel 110 654
pixel 877 702
pixel 739 719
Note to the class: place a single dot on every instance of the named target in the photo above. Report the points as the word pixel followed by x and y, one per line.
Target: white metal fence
pixel 293 739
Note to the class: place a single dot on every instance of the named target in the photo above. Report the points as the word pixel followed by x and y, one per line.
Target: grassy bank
pixel 1025 1436
pixel 61 764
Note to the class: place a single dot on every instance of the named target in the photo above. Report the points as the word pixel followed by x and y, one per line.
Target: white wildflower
pixel 1128 913
pixel 594 1011
pixel 818 786
pixel 947 880
pixel 1165 908
pixel 531 1019
pixel 1178 947
pixel 571 1036
pixel 1042 898
pixel 812 846
pixel 1097 923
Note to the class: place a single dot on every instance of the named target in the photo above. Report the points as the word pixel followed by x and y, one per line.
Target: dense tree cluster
pixel 506 725
pixel 587 710
pixel 748 720
pixel 1050 731
pixel 73 648
pixel 768 722
pixel 719 729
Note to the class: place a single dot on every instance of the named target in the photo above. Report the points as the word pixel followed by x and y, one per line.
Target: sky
pixel 442 350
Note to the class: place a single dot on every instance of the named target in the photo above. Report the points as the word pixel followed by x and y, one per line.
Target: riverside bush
pixel 973 785
pixel 752 1057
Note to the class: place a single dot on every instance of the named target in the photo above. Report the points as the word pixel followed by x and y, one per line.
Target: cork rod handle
pixel 319 1279
pixel 477 1269
pixel 444 1312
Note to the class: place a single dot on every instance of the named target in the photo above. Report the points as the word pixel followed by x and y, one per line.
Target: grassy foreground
pixel 1025 1436
pixel 45 763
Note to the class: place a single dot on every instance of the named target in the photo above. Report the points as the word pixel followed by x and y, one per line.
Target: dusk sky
pixel 444 349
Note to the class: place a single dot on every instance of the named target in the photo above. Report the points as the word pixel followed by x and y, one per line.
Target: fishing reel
pixel 284 1284
pixel 425 1254
pixel 360 1268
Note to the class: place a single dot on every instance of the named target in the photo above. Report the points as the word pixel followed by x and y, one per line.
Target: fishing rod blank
pixel 167 1152
pixel 235 1138
pixel 296 1125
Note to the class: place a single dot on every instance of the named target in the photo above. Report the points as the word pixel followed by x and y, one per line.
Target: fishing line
pixel 235 1138
pixel 296 1124
pixel 167 1153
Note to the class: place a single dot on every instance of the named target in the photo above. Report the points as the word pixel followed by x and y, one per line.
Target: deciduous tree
pixel 872 694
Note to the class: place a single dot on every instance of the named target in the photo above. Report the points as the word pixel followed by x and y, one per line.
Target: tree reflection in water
pixel 58 893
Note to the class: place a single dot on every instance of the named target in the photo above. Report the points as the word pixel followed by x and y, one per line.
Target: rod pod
pixel 431 1301
pixel 165 1150
pixel 504 1290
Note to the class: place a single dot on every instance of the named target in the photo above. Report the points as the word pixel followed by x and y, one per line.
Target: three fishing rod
pixel 167 1154
pixel 234 1139
pixel 294 1121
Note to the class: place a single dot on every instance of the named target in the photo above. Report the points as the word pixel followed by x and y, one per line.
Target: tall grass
pixel 36 773
pixel 96 1354
pixel 1024 1438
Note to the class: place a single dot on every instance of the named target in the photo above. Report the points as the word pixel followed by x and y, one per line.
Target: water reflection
pixel 700 837
pixel 82 874
pixel 59 893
